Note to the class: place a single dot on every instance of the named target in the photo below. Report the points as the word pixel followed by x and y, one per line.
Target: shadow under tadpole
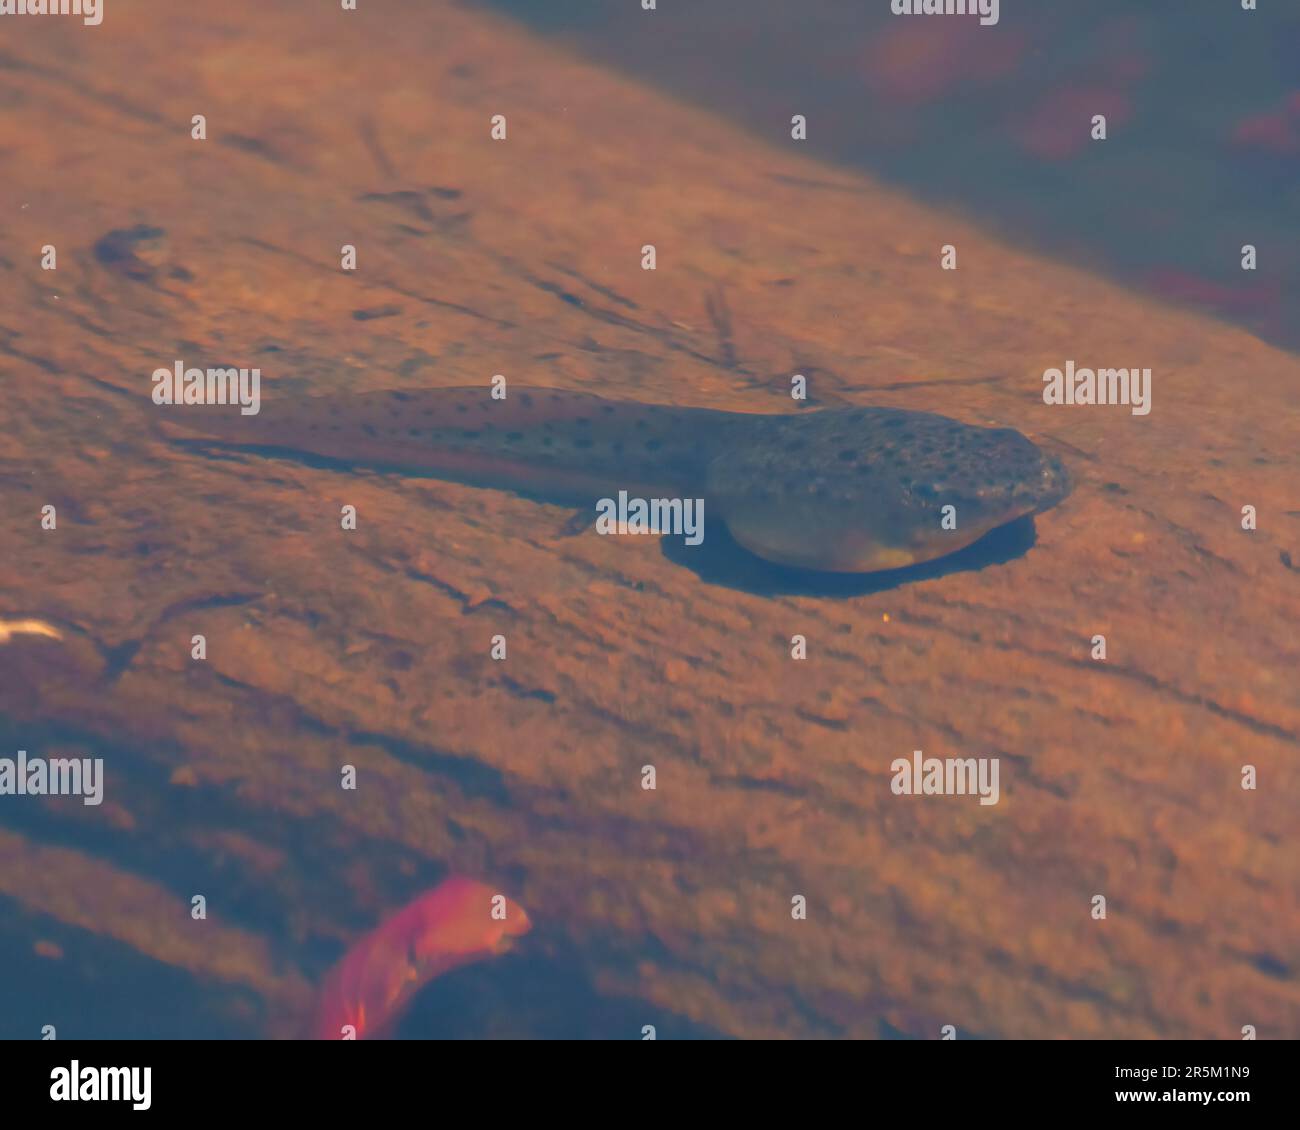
pixel 717 560
pixel 720 560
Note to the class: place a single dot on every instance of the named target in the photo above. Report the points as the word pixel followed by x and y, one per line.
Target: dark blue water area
pixel 98 988
pixel 529 995
pixel 1202 101
pixel 101 989
pixel 94 984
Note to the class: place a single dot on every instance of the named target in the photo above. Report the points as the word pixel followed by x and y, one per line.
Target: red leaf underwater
pixel 458 922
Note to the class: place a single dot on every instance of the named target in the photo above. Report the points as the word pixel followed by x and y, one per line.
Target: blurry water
pixel 1202 102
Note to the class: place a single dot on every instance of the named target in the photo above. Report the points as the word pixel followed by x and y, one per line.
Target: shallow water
pixel 329 646
pixel 1202 104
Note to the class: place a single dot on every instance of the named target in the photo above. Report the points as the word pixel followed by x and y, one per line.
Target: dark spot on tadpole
pixel 400 660
pixel 547 441
pixel 608 409
pixel 653 444
pixel 526 399
pixel 582 443
pixel 400 395
pixel 311 427
pixel 462 408
pixel 469 433
pixel 412 431
pixel 334 409
pixel 641 425
pixel 514 437
pixel 369 429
